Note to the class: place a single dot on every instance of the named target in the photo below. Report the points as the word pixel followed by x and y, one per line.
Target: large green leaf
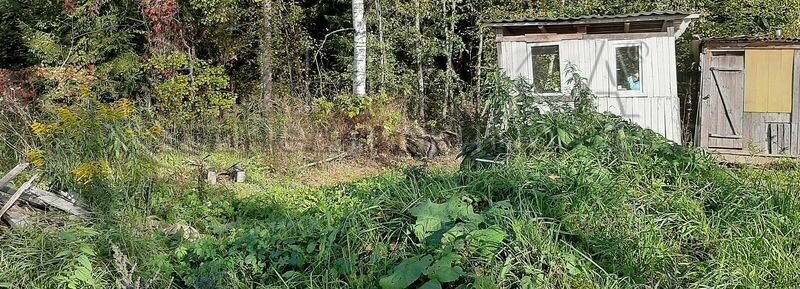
pixel 433 217
pixel 443 270
pixel 406 273
pixel 432 284
pixel 486 241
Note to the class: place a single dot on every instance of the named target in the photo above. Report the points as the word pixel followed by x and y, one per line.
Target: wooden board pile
pixel 20 203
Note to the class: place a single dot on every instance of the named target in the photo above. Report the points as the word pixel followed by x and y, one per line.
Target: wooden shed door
pixel 723 94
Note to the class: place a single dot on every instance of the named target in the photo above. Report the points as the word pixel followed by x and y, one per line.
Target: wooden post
pixel 211 176
pixel 239 176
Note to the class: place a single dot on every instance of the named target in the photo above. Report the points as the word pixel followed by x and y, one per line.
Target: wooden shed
pixel 749 96
pixel 629 61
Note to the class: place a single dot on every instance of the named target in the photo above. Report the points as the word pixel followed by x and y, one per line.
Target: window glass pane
pixel 628 64
pixel 546 69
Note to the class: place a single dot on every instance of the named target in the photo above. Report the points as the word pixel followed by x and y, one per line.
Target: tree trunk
pixel 265 51
pixel 383 45
pixel 420 79
pixel 449 95
pixel 448 55
pixel 477 102
pixel 307 77
pixel 359 49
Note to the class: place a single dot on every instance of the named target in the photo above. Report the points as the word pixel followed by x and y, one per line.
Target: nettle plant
pixel 449 233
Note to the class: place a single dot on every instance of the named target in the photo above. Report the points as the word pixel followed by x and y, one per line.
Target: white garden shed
pixel 628 60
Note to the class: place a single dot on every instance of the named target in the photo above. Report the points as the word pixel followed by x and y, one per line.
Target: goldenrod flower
pixel 124 107
pixel 87 172
pixel 155 131
pixel 66 116
pixel 107 112
pixel 84 91
pixel 39 129
pixel 36 157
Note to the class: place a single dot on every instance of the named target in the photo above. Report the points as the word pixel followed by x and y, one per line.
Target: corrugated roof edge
pixel 752 38
pixel 665 14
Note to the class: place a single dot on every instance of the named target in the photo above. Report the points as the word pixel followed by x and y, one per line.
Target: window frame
pixel 629 43
pixel 560 68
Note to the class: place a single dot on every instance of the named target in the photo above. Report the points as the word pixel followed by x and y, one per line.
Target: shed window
pixel 768 80
pixel 546 69
pixel 629 67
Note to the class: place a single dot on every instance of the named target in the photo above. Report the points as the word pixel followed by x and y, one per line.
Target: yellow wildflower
pixel 155 131
pixel 87 172
pixel 36 157
pixel 39 129
pixel 124 107
pixel 84 91
pixel 107 112
pixel 66 116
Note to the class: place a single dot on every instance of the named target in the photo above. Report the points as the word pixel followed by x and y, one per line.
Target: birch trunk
pixel 359 49
pixel 383 45
pixel 450 73
pixel 420 76
pixel 449 56
pixel 265 51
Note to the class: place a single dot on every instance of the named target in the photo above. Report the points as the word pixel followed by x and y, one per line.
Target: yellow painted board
pixel 768 80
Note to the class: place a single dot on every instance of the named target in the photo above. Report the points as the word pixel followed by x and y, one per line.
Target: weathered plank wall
pixel 767 133
pixel 656 107
pixel 795 137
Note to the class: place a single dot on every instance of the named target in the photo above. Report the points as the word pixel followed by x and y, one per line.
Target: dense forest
pixel 204 69
pixel 134 122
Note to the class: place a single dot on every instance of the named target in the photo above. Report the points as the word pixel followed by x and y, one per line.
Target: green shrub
pixel 102 152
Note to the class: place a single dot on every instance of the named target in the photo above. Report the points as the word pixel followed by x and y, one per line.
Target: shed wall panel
pixel 656 108
pixel 768 80
pixel 516 60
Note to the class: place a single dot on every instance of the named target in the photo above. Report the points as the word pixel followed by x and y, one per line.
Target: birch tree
pixel 265 52
pixel 420 76
pixel 359 49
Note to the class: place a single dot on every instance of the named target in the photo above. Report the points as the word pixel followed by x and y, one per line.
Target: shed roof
pixel 753 38
pixel 751 41
pixel 590 19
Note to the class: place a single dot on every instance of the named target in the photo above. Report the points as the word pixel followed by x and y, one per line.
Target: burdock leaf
pixel 406 273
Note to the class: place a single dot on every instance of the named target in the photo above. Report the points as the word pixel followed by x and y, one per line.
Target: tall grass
pixel 569 199
pixel 646 213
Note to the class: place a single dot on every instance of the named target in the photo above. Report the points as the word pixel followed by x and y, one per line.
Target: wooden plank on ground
pixel 14 197
pixel 13 174
pixel 58 202
pixel 41 197
pixel 30 200
pixel 16 216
